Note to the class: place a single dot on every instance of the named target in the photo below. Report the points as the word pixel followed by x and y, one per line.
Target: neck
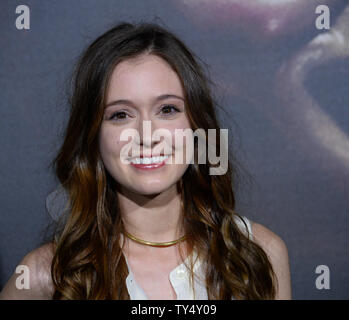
pixel 155 218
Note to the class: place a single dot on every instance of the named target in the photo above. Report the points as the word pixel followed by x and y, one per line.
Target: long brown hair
pixel 88 262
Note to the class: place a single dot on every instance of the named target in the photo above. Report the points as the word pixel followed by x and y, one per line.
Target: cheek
pixel 182 142
pixel 110 144
pixel 180 125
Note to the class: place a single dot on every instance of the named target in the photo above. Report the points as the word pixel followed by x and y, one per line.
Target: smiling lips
pixel 147 163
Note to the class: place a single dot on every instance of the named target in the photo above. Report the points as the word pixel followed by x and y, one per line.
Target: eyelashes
pixel 169 109
pixel 166 111
pixel 119 116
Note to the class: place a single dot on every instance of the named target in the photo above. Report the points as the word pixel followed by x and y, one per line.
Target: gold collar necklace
pixel 154 244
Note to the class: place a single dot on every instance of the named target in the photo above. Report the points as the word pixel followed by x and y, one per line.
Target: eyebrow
pixel 157 99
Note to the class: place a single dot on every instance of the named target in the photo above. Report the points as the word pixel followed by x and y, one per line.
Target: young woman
pixel 149 227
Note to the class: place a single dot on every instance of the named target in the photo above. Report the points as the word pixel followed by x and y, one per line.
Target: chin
pixel 151 188
pixel 150 183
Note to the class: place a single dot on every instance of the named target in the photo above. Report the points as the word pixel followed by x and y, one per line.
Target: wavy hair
pixel 88 262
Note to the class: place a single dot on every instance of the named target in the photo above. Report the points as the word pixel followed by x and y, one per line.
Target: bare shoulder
pixel 276 249
pixel 35 266
pixel 266 237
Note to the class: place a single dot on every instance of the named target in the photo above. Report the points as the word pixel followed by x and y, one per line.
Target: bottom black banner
pixel 176 309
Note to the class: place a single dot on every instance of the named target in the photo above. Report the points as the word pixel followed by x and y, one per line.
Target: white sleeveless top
pixel 179 276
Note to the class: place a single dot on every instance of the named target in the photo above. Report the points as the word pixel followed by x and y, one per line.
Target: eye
pixel 119 116
pixel 168 110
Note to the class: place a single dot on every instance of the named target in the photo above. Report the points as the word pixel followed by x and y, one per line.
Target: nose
pixel 146 128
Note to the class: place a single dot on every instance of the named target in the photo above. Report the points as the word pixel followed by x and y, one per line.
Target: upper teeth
pixel 149 160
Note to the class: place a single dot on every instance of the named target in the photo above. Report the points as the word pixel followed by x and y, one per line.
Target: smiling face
pixel 143 91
